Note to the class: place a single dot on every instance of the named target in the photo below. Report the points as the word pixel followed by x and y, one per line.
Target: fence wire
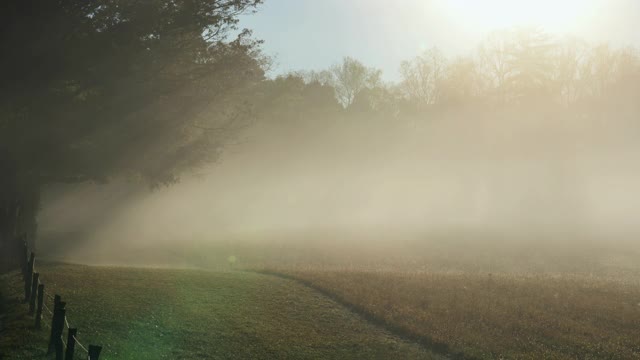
pixel 66 322
pixel 49 324
pixel 44 305
pixel 80 344
pixel 48 295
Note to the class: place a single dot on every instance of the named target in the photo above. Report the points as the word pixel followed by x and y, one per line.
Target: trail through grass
pixel 191 314
pixel 494 316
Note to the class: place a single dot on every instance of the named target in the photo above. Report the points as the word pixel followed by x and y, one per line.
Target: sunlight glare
pixel 552 15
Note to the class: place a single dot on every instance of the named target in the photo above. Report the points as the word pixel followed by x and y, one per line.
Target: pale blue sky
pixel 313 34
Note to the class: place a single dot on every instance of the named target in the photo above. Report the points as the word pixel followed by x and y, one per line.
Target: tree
pixel 531 63
pixel 381 100
pixel 422 77
pixel 494 54
pixel 93 90
pixel 290 100
pixel 351 77
pixel 462 81
pixel 569 61
pixel 518 63
pixel 627 64
pixel 600 70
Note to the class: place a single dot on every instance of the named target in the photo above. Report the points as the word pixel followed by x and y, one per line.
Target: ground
pixel 193 314
pixel 398 302
pixel 494 316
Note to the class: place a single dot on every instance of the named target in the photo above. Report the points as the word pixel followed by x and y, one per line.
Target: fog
pixel 526 144
pixel 500 180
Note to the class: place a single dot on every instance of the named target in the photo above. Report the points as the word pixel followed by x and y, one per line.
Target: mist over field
pixel 496 181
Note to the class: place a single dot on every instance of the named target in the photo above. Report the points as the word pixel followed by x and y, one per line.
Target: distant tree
pixel 381 100
pixel 351 77
pixel 531 63
pixel 323 77
pixel 600 70
pixel 97 89
pixel 421 78
pixel 627 64
pixel 319 100
pixel 518 63
pixel 494 61
pixel 462 81
pixel 292 101
pixel 569 64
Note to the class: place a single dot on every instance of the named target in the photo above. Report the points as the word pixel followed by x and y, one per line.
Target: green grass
pixel 191 314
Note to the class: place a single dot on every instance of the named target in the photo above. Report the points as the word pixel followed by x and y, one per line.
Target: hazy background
pixel 446 178
pixel 495 185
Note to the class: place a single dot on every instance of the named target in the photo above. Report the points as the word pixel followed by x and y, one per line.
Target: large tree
pixel 96 89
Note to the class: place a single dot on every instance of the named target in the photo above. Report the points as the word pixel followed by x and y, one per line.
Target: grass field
pixel 495 316
pixel 192 314
pixel 342 300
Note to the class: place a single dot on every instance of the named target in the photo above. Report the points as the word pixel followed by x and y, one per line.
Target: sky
pixel 314 34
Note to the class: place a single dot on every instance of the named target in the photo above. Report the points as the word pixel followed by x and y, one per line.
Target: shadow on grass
pixel 430 344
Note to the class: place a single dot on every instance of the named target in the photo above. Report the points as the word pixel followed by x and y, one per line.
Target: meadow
pixel 489 297
pixel 494 316
pixel 329 297
pixel 193 314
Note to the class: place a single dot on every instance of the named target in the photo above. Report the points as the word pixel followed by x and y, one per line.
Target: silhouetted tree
pixel 96 89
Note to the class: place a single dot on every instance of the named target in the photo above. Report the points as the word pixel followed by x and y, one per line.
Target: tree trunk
pixel 19 203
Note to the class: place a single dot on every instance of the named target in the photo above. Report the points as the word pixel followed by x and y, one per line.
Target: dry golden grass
pixel 495 316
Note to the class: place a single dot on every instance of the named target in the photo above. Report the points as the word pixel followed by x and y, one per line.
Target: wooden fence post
pixel 34 293
pixel 59 345
pixel 94 352
pixel 28 277
pixel 40 305
pixel 71 344
pixel 54 323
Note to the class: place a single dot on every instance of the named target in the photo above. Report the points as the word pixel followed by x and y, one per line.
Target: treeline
pixel 528 131
pixel 510 68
